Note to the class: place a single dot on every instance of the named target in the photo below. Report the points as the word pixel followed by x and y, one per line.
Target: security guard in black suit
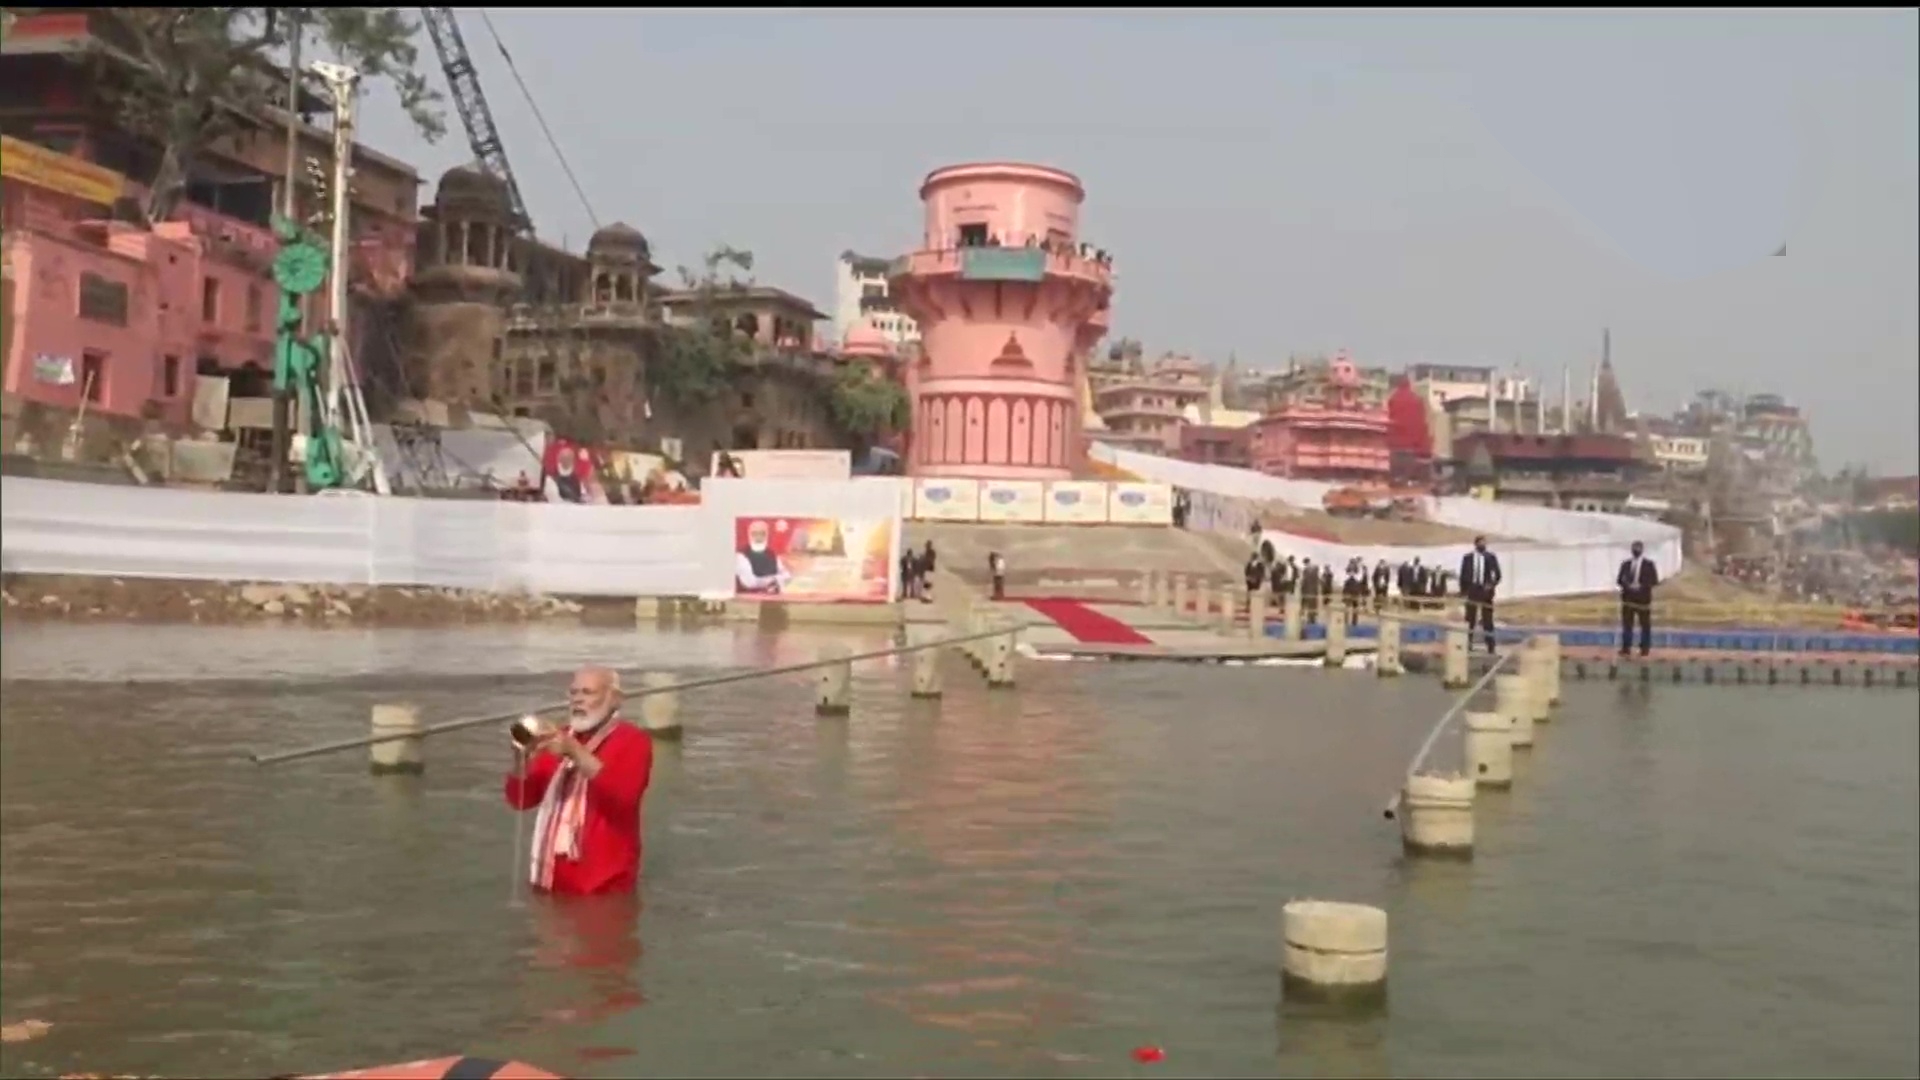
pixel 1636 579
pixel 1479 577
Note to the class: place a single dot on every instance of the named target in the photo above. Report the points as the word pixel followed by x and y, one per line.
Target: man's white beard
pixel 581 723
pixel 756 546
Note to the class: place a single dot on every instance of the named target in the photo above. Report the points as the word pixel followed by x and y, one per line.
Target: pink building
pixel 1008 301
pixel 1324 422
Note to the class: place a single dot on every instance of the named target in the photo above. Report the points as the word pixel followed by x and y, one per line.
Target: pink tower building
pixel 1009 301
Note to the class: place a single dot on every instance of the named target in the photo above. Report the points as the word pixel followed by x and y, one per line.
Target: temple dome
pixel 471 187
pixel 620 239
pixel 866 339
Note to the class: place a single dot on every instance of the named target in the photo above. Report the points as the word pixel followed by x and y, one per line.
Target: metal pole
pixel 1459 706
pixel 289 209
pixel 343 83
pixel 646 691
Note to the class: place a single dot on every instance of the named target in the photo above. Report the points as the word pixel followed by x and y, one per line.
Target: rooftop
pixel 738 295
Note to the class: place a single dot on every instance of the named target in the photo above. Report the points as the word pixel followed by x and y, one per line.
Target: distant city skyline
pixel 1456 185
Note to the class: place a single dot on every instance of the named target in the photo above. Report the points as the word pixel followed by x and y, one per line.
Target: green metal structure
pixel 300 269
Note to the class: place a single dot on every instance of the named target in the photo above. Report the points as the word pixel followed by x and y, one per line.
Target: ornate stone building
pixel 509 325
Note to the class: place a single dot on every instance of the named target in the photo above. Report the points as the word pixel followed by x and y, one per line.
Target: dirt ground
pixel 30 597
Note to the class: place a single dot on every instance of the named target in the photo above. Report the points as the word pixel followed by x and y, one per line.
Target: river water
pixel 1685 881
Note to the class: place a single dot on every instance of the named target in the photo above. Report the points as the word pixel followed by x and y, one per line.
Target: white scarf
pixel 563 810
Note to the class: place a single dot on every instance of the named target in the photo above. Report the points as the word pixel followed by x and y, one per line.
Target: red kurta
pixel 610 835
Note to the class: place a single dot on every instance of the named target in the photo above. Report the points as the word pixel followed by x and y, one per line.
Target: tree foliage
pixel 696 359
pixel 865 405
pixel 185 78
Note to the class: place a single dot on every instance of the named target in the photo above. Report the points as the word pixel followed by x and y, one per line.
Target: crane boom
pixel 464 83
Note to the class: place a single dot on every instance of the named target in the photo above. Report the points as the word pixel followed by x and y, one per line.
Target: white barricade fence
pixel 1013 501
pixel 1032 502
pixel 1564 552
pixel 1131 503
pixel 1076 502
pixel 946 500
pixel 98 530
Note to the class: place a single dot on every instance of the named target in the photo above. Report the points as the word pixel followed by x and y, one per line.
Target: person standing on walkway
pixel 1255 573
pixel 1309 592
pixel 997 569
pixel 1479 578
pixel 1354 590
pixel 1382 578
pixel 1285 576
pixel 1637 579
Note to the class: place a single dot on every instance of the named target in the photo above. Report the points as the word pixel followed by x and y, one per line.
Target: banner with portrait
pixel 813 559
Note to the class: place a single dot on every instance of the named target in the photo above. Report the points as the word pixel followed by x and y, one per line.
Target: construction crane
pixel 464 83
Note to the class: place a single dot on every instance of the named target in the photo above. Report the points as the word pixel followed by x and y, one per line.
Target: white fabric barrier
pixel 1566 553
pixel 97 530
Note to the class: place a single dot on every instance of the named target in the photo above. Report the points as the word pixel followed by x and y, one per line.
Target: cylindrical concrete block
pixel 835 697
pixel 1436 815
pixel 926 673
pixel 1512 696
pixel 1534 663
pixel 1331 949
pixel 406 755
pixel 659 708
pixel 1488 740
pixel 1386 661
pixel 1336 654
pixel 1552 644
pixel 1162 591
pixel 1290 617
pixel 1229 607
pixel 1257 614
pixel 1000 659
pixel 1454 670
pixel 1182 596
pixel 1146 589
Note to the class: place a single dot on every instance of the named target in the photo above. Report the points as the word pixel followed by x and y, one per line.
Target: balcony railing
pixel 1003 264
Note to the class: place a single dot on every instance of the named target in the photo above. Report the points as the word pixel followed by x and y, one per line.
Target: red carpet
pixel 1087 625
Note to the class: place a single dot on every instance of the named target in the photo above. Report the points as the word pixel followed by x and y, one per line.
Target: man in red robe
pixel 586 781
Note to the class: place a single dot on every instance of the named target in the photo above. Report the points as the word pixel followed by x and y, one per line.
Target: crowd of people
pixel 1418 586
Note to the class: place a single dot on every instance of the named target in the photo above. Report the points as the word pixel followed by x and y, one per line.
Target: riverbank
pixel 69 598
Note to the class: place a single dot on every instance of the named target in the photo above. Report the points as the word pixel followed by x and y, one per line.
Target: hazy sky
pixel 1471 187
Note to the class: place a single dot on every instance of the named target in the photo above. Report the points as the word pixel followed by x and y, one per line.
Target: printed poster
pixel 813 560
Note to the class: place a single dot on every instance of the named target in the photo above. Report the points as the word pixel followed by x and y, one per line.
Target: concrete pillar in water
pixel 1333 950
pixel 1336 640
pixel 1162 591
pixel 1455 673
pixel 406 755
pixel 1552 644
pixel 1146 589
pixel 1436 815
pixel 1257 615
pixel 1181 597
pixel 1512 700
pixel 1533 664
pixel 1488 739
pixel 1290 617
pixel 1386 661
pixel 659 711
pixel 926 674
pixel 1000 658
pixel 1229 608
pixel 836 682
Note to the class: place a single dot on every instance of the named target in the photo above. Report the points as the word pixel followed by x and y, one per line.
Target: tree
pixel 185 78
pixel 866 406
pixel 696 359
